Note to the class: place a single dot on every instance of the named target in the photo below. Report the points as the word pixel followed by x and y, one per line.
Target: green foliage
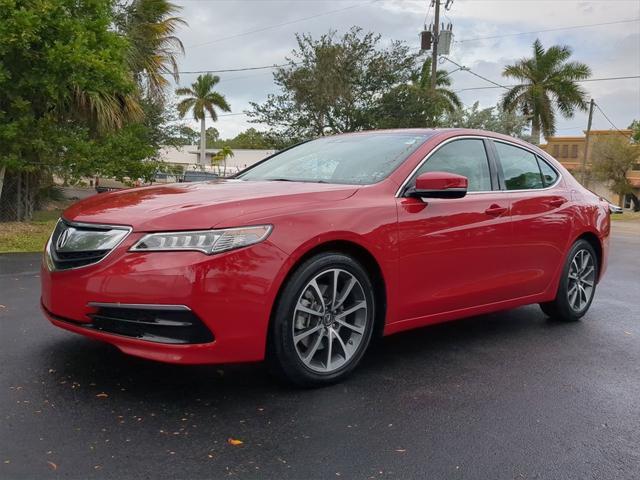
pixel 70 94
pixel 61 66
pixel 150 27
pixel 249 139
pixel 415 104
pixel 612 158
pixel 548 82
pixel 494 119
pixel 212 135
pixel 333 84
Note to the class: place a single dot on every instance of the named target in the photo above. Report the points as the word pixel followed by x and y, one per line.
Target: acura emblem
pixel 62 239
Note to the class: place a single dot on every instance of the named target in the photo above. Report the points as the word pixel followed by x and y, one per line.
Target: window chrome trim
pixel 48 255
pixel 139 306
pixel 403 185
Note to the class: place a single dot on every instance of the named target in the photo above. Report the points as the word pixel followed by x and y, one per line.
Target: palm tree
pixel 202 98
pixel 548 81
pixel 444 98
pixel 150 27
pixel 222 155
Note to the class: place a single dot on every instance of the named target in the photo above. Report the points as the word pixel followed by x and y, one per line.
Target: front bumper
pixel 230 293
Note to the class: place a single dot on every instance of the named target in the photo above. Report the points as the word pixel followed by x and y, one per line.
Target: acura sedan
pixel 306 257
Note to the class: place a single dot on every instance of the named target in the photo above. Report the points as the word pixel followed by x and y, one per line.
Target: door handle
pixel 495 209
pixel 558 202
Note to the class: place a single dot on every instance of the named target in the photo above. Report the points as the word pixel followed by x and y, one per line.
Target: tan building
pixel 570 152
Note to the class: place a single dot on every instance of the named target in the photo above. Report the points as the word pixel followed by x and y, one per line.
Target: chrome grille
pixel 75 245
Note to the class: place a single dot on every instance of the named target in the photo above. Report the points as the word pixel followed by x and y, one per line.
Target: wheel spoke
pixel 312 351
pixel 306 333
pixel 355 328
pixel 355 308
pixel 302 308
pixel 346 291
pixel 337 336
pixel 586 274
pixel 313 284
pixel 329 352
pixel 573 296
pixel 334 294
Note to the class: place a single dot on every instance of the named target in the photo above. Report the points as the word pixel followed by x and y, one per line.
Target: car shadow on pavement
pixel 104 368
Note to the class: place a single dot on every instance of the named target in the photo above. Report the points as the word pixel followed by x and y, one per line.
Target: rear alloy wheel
pixel 323 322
pixel 577 285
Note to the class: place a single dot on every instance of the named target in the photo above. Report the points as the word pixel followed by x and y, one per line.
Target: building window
pixel 635 166
pixel 556 151
pixel 574 151
pixel 565 151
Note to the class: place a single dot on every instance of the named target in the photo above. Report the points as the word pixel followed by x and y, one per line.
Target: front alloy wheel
pixel 323 321
pixel 329 320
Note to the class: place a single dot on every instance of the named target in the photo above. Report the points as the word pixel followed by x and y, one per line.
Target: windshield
pixel 352 159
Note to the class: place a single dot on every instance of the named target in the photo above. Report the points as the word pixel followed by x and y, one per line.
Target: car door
pixel 450 250
pixel 541 217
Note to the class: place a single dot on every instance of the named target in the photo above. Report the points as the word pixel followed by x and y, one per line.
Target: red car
pixel 305 257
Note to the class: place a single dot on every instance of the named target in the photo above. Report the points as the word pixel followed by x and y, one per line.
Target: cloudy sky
pixel 226 34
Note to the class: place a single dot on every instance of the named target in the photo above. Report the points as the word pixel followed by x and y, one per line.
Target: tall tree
pixel 63 78
pixel 332 84
pixel 414 104
pixel 201 99
pixel 612 158
pixel 548 81
pixel 150 26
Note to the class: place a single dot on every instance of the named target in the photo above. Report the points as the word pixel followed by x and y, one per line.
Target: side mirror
pixel 439 185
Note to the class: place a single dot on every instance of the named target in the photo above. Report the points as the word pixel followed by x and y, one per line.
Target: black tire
pixel 283 357
pixel 564 307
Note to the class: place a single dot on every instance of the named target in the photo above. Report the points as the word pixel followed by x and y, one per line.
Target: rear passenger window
pixel 549 175
pixel 520 168
pixel 465 157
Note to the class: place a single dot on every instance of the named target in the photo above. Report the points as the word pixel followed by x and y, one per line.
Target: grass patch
pixel 626 217
pixel 28 236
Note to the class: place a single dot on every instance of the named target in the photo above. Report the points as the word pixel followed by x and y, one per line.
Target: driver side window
pixel 466 157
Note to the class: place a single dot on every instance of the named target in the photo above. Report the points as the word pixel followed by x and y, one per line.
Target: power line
pixel 571 27
pixel 239 69
pixel 612 124
pixel 467 69
pixel 277 25
pixel 604 79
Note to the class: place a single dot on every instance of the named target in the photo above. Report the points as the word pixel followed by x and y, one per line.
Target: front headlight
pixel 205 241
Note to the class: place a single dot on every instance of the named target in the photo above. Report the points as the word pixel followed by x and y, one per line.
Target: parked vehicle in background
pixel 306 256
pixel 198 176
pixel 613 208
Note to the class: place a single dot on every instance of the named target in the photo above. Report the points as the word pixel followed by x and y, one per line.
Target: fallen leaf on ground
pixel 234 441
pixel 102 395
pixel 52 465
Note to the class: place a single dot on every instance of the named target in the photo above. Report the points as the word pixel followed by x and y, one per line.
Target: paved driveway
pixel 503 396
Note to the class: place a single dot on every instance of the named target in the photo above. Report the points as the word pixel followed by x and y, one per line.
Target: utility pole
pixel 434 52
pixel 586 144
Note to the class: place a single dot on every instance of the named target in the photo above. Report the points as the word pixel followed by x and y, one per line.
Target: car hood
pixel 201 205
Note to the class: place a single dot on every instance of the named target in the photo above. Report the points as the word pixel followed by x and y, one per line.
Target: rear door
pixel 451 250
pixel 540 214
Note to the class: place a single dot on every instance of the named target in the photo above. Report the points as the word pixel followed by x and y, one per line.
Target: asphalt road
pixel 504 396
